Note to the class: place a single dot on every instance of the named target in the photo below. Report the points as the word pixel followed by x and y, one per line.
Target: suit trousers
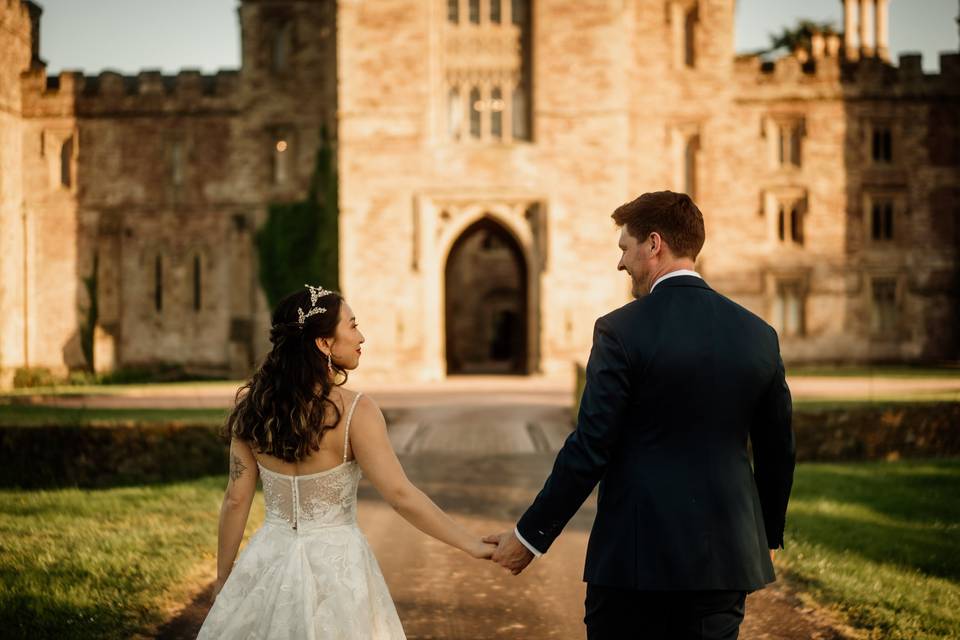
pixel 627 614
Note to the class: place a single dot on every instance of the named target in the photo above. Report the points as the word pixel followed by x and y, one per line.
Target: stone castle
pixel 481 146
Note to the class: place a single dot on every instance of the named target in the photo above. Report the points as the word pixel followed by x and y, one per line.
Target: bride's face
pixel 345 345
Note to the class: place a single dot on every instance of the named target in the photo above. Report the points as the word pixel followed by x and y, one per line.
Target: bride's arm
pixel 235 508
pixel 372 449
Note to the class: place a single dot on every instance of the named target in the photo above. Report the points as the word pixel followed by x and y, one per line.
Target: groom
pixel 676 383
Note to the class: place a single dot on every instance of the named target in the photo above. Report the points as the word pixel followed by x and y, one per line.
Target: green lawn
pixel 25 415
pixel 879 371
pixel 228 386
pixel 880 543
pixel 103 564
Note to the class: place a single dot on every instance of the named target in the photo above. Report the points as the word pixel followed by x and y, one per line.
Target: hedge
pixel 145 452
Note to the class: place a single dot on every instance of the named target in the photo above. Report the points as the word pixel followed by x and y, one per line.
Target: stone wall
pixel 624 98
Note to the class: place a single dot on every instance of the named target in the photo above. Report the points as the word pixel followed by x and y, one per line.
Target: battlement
pixel 148 91
pixel 826 65
pixel 187 84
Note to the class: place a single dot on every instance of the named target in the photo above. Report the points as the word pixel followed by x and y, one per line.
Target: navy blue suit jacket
pixel 677 383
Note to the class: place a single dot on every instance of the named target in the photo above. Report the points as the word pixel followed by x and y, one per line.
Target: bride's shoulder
pixel 364 403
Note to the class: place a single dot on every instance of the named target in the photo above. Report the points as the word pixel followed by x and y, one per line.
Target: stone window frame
pixel 786 203
pixel 880 125
pixel 282 139
pixel 197 263
pixel 686 142
pixel 280 43
pixel 158 273
pixel 785 133
pixel 683 17
pixel 512 109
pixel 62 149
pixel 894 327
pixel 799 282
pixel 898 199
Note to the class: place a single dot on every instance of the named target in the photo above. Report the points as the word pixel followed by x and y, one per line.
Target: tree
pixel 799 36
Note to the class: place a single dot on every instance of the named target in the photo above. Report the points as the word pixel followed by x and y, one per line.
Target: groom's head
pixel 659 232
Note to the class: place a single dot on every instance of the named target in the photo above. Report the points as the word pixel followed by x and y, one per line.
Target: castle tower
pixel 20 24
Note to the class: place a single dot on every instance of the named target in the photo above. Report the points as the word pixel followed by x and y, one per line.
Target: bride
pixel 308 572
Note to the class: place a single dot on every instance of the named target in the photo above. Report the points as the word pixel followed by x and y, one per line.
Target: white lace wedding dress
pixel 308 572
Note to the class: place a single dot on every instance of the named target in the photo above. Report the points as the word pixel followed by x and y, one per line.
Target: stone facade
pixel 481 146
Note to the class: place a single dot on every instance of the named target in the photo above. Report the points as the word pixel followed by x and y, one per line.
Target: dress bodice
pixel 320 499
pixel 323 499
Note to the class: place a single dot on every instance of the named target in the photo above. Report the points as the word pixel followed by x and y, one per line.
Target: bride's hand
pixel 482 550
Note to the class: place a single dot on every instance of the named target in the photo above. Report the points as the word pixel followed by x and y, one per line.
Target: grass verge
pixel 879 542
pixel 103 563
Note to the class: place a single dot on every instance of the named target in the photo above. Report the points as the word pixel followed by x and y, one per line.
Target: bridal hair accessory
pixel 315 294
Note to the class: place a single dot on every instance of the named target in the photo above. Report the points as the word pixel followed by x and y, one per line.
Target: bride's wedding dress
pixel 308 572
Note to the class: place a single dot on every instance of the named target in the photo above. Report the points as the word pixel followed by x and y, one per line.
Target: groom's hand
pixel 510 553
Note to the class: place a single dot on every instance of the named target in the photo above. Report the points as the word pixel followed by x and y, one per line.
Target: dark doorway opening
pixel 485 284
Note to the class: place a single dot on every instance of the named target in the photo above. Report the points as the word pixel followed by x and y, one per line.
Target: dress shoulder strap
pixel 346 433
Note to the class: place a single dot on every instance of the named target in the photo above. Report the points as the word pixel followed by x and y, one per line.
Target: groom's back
pixel 700 370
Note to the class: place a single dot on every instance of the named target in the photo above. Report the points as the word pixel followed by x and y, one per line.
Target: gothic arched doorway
pixel 485 284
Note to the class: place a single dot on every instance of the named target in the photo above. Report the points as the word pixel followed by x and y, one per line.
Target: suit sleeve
pixel 774 452
pixel 584 456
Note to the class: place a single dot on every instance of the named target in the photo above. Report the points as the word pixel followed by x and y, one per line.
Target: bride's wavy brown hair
pixel 281 410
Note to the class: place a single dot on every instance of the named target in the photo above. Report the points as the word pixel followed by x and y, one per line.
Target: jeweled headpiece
pixel 315 294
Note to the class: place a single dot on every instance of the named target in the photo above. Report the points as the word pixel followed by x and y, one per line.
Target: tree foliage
pixel 798 36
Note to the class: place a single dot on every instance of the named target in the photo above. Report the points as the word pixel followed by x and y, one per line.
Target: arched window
pixel 475 11
pixel 197 283
pixel 495 11
pixel 781 223
pixel 453 11
pixel 475 106
pixel 496 113
pixel 158 283
pixel 454 113
pixel 66 158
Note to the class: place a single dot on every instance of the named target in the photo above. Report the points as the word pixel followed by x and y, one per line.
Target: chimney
pixel 856 38
pixel 866 49
pixel 850 51
pixel 881 19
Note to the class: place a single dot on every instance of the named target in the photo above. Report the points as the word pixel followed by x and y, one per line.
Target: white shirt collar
pixel 678 272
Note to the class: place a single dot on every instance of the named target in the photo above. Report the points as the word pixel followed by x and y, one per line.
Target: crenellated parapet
pixel 148 92
pixel 825 71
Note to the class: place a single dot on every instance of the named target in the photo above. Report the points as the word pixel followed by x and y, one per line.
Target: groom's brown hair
pixel 673 215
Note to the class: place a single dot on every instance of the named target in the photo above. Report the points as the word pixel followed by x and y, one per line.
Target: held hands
pixel 481 550
pixel 510 553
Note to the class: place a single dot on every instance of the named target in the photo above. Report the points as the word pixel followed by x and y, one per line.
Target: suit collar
pixel 683 281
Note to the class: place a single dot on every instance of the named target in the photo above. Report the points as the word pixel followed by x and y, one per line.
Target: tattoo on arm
pixel 236 467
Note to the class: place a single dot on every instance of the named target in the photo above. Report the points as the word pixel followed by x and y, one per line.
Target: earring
pixel 330 362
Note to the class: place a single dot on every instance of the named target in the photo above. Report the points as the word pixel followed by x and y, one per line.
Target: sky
pixel 130 35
